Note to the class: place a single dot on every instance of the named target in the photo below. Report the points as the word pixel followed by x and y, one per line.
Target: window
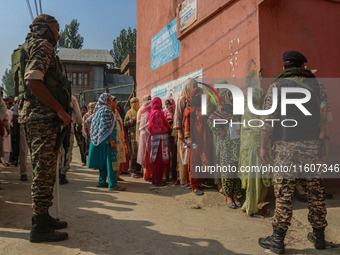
pixel 85 79
pixel 69 76
pixel 78 78
pixel 74 78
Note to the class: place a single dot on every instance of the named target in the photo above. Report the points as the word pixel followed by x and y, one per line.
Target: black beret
pixel 294 56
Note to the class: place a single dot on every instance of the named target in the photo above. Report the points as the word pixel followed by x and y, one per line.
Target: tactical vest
pixel 55 82
pixel 308 127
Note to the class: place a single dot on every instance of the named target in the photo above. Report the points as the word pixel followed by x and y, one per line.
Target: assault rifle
pixel 63 137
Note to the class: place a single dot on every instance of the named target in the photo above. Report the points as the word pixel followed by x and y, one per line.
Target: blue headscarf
pixel 83 107
pixel 103 120
pixel 123 113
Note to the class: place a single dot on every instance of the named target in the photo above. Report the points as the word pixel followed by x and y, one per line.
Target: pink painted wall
pixel 258 31
pixel 209 47
pixel 311 27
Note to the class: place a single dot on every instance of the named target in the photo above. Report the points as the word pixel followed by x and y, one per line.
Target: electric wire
pixel 29 9
pixel 40 7
pixel 36 7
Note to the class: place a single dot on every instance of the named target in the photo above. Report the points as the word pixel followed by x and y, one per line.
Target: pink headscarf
pixel 157 121
pixel 168 115
pixel 144 114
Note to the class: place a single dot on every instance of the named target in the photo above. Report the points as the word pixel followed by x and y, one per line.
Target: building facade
pixel 85 68
pixel 235 39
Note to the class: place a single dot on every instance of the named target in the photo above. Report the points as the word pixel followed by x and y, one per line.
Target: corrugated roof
pixel 85 55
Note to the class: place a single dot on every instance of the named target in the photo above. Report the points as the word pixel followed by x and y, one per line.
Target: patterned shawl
pixel 103 120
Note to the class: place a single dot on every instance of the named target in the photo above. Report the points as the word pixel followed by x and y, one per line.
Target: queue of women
pixel 164 147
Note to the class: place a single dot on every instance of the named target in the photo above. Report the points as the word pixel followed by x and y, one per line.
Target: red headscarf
pixel 157 121
pixel 170 115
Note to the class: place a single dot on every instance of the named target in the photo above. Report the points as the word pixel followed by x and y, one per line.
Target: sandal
pixel 177 182
pixel 136 176
pixel 105 185
pixel 120 179
pixel 231 205
pixel 238 204
pixel 117 188
pixel 186 186
pixel 198 192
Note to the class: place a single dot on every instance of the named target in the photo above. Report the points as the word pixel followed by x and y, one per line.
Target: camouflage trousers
pixel 41 138
pixel 284 191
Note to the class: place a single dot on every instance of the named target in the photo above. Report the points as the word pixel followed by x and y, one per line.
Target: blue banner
pixel 164 46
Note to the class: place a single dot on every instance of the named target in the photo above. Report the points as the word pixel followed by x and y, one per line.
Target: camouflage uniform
pixel 297 153
pixel 41 125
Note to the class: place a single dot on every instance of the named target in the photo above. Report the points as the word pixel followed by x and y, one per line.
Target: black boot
pixel 275 241
pixel 56 224
pixel 42 232
pixel 318 238
pixel 62 179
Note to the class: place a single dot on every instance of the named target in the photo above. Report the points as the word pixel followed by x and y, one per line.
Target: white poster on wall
pixel 172 89
pixel 187 14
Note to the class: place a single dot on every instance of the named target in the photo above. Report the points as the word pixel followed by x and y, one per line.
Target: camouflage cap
pixel 41 23
pixel 45 20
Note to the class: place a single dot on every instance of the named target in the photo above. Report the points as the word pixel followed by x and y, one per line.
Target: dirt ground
pixel 142 220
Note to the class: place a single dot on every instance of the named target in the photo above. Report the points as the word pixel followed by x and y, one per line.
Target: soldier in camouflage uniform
pixel 296 149
pixel 40 114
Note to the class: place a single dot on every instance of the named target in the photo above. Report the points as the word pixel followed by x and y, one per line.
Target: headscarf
pixel 189 85
pixel 221 112
pixel 157 121
pixel 167 113
pixel 195 103
pixel 83 107
pixel 41 28
pixel 145 99
pixel 134 103
pixel 103 120
pixel 144 114
pixel 122 113
pixel 90 107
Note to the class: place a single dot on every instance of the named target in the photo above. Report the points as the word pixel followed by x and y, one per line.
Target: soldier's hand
pixel 265 155
pixel 64 117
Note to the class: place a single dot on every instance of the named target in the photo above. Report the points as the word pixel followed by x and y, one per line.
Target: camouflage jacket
pixel 41 61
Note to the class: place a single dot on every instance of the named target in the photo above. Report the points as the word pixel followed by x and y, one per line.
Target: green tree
pixel 123 45
pixel 8 82
pixel 69 37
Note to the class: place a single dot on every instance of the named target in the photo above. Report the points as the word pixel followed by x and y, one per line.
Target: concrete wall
pixel 225 45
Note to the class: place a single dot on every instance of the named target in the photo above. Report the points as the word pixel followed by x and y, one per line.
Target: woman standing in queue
pixel 103 145
pixel 159 128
